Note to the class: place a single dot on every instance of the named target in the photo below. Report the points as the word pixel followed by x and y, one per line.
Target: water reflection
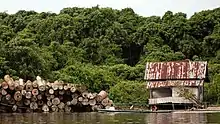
pixel 107 118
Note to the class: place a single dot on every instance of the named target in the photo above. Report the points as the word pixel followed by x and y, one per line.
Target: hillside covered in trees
pixel 107 49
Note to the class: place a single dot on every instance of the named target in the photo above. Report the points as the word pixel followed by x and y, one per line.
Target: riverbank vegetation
pixel 106 49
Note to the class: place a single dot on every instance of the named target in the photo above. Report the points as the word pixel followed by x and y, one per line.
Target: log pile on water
pixel 43 96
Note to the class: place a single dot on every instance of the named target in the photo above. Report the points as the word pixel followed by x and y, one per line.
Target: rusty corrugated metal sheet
pixel 175 70
pixel 172 83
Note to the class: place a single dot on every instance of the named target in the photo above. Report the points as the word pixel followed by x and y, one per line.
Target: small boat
pixel 135 111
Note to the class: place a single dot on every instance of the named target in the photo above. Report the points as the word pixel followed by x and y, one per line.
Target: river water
pixel 110 118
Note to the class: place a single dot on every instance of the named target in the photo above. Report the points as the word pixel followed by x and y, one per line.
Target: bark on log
pixel 35 92
pixel 55 101
pixel 33 106
pixel 21 82
pixel 41 85
pixel 74 101
pixel 105 101
pixel 45 108
pixel 28 95
pixel 28 86
pixel 18 96
pixel 102 95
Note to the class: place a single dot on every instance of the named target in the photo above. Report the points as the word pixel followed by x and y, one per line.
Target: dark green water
pixel 105 118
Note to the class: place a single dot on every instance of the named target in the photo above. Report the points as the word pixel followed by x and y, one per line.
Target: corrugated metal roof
pixel 175 70
pixel 172 83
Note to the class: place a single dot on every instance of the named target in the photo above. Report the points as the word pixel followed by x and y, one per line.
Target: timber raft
pixel 43 96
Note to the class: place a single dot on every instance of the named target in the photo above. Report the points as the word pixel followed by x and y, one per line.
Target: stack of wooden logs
pixel 43 96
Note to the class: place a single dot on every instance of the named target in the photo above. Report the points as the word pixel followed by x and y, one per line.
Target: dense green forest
pixel 105 48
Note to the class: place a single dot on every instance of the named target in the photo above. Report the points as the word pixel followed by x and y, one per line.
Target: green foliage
pixel 104 48
pixel 129 92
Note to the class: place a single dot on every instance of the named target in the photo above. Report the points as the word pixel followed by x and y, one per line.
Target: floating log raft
pixel 43 96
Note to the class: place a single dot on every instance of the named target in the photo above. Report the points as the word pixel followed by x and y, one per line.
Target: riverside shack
pixel 164 80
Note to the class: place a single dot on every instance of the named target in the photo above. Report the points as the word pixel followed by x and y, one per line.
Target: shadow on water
pixel 109 118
